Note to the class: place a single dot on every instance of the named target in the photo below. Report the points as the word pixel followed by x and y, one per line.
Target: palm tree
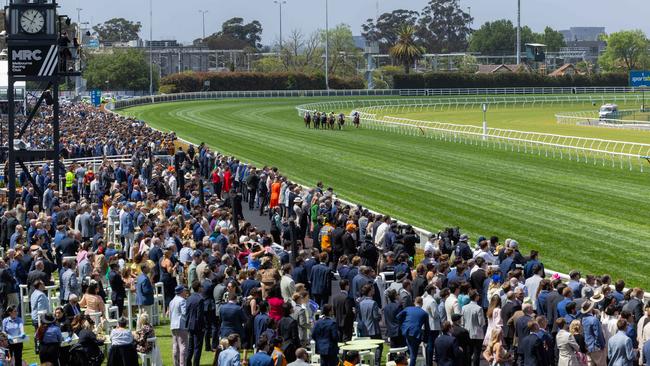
pixel 405 51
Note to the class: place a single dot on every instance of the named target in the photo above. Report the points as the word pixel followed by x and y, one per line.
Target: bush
pixel 504 80
pixel 244 81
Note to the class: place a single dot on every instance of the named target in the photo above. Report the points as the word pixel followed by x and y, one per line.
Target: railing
pixel 94 162
pixel 367 92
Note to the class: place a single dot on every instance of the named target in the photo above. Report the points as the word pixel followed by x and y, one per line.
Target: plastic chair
pixel 24 300
pixel 147 358
pixel 394 351
pixel 159 302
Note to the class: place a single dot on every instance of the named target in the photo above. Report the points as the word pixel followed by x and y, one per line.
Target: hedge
pixel 504 80
pixel 242 81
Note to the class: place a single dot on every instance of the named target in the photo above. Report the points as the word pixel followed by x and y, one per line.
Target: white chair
pixel 148 358
pixel 96 316
pixel 24 300
pixel 355 329
pixel 111 314
pixel 159 302
pixel 394 351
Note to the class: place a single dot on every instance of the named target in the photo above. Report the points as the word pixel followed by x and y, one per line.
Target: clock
pixel 32 21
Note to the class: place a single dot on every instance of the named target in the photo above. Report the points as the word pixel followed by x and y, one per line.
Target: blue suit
pixel 325 334
pixel 260 323
pixel 144 291
pixel 447 351
pixel 195 324
pixel 126 224
pixel 260 359
pixel 232 319
pixel 413 319
pixel 321 283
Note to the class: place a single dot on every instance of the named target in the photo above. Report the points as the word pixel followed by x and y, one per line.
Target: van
pixel 608 111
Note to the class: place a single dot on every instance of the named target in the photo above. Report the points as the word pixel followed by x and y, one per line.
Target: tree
pixel 302 54
pixel 123 69
pixel 234 34
pixel 384 30
pixel 444 27
pixel 343 53
pixel 118 30
pixel 406 51
pixel 553 39
pixel 626 50
pixel 500 37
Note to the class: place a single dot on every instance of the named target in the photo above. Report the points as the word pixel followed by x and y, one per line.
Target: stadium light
pixel 150 47
pixel 203 12
pixel 327 45
pixel 280 2
pixel 518 32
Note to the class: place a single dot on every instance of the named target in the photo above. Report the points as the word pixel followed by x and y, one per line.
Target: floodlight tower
pixel 518 32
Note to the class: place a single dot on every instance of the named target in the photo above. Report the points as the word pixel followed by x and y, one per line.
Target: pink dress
pixel 494 322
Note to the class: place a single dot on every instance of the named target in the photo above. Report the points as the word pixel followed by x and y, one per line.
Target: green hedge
pixel 504 80
pixel 237 81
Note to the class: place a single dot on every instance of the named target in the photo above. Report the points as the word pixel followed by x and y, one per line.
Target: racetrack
pixel 578 215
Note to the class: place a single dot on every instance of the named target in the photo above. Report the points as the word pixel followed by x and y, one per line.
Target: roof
pixel 563 70
pixel 489 69
pixel 535 44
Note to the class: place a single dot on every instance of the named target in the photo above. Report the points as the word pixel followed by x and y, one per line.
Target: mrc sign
pixel 640 79
pixel 33 60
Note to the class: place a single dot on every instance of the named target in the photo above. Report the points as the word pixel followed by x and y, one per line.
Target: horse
pixel 307 120
pixel 331 121
pixel 317 120
pixel 356 120
pixel 341 120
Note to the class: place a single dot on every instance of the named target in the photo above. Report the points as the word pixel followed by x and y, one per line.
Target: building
pixel 171 60
pixel 162 44
pixel 565 70
pixel 589 34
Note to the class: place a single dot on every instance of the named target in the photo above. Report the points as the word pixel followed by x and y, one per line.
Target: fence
pixel 366 92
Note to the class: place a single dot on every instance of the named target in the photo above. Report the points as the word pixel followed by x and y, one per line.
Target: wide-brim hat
pixel 48 319
pixel 598 297
pixel 587 307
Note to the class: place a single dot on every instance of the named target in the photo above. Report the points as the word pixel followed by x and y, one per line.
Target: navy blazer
pixel 391 309
pixel 299 275
pixel 447 351
pixel 412 320
pixel 531 348
pixel 260 324
pixel 321 280
pixel 326 336
pixel 232 319
pixel 195 320
pixel 144 291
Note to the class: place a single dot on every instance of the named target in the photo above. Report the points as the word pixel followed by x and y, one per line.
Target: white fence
pixel 368 92
pixel 592 118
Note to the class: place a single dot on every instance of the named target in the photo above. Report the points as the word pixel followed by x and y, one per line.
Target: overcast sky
pixel 181 20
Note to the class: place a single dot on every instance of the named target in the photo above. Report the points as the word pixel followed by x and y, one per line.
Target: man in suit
pixel 531 347
pixel 118 293
pixel 287 284
pixel 143 288
pixel 448 353
pixel 38 301
pixel 344 311
pixel 520 320
pixel 325 335
pixel 511 306
pixel 72 308
pixel 412 320
pixel 195 325
pixel 321 281
pixel 462 336
pixel 474 321
pixel 553 298
pixel 69 282
pixel 127 228
pixel 37 274
pixel 232 317
pixel 635 305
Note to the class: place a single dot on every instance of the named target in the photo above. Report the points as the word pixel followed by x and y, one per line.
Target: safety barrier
pixel 94 162
pixel 162 98
pixel 592 118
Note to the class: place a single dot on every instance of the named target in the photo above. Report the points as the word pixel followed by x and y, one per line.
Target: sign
pixel 639 79
pixel 33 60
pixel 96 97
pixel 93 43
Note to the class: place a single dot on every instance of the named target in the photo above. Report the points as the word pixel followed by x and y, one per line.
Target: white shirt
pixel 532 284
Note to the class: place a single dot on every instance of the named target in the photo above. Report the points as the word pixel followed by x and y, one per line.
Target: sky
pixel 181 20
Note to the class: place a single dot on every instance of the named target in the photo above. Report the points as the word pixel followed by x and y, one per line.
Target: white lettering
pixel 26 55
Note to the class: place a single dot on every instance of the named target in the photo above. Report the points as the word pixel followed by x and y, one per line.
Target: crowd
pixel 323 273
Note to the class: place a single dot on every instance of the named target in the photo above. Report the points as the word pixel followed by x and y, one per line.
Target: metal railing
pixel 94 162
pixel 368 92
pixel 592 118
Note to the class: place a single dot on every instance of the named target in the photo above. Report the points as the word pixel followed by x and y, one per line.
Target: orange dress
pixel 275 194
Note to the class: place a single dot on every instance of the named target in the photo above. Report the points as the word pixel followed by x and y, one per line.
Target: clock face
pixel 32 21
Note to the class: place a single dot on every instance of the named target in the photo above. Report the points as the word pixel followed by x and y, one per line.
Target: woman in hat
pixel 49 337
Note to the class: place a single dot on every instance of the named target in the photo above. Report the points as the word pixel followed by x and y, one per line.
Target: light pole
pixel 327 46
pixel 151 47
pixel 79 16
pixel 518 32
pixel 203 12
pixel 280 2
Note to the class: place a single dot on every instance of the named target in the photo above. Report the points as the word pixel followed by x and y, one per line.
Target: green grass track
pixel 578 215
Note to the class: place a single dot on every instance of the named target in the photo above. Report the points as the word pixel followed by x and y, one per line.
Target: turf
pixel 578 215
